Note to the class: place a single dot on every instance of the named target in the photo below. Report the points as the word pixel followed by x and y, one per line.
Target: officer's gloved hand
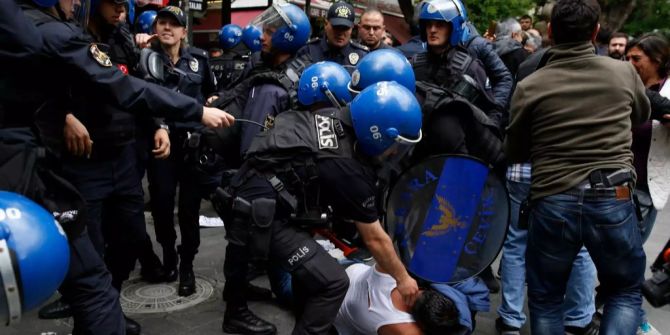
pixel 216 118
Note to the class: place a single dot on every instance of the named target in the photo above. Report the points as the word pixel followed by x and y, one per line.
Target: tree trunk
pixel 615 13
pixel 407 10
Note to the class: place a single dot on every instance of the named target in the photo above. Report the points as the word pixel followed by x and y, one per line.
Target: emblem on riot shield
pixel 448 217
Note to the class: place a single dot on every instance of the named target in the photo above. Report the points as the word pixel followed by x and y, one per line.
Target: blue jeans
pixel 559 226
pixel 648 212
pixel 579 305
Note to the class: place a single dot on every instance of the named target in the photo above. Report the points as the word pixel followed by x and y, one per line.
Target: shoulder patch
pixel 313 40
pixel 99 56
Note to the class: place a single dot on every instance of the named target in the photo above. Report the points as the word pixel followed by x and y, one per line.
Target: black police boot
pixel 186 282
pixel 240 320
pixel 132 327
pixel 170 264
pixel 58 309
pixel 152 269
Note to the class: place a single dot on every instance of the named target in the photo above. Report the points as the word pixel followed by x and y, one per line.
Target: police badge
pixel 353 58
pixel 193 64
pixel 100 56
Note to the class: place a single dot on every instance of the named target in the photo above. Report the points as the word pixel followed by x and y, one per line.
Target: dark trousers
pixel 88 289
pixel 319 282
pixel 194 184
pixel 114 216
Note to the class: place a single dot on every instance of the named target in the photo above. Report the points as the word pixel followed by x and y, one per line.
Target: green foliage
pixel 481 12
pixel 648 15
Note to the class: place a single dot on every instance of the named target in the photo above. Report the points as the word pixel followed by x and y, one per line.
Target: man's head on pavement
pixel 435 313
pixel 340 24
pixel 371 28
pixel 574 21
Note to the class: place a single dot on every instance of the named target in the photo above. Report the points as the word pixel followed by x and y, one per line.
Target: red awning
pixel 212 22
pixel 242 18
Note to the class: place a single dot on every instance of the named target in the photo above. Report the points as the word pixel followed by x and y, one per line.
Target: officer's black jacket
pixel 348 56
pixel 192 76
pixel 436 70
pixel 18 36
pixel 65 65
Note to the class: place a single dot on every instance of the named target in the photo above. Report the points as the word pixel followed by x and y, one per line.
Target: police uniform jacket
pixel 68 65
pixel 318 50
pixel 191 76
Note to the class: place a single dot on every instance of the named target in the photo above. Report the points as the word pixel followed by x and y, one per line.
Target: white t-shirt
pixel 368 305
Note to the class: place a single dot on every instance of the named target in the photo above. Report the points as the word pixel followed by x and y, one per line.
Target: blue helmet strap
pixel 10 285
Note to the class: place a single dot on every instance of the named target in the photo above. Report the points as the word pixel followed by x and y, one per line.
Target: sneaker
pixel 647 329
pixel 504 329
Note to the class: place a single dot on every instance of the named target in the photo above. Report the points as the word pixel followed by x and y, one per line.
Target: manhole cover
pixel 141 297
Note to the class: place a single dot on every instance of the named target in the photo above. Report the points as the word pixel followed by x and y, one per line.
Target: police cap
pixel 174 12
pixel 341 14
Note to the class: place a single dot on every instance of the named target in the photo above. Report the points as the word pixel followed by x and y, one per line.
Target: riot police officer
pixel 269 87
pixel 114 215
pixel 293 172
pixel 336 46
pixel 190 74
pixel 70 66
pixel 445 74
pixel 231 63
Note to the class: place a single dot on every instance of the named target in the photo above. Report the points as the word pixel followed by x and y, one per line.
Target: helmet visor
pixel 402 146
pixel 271 19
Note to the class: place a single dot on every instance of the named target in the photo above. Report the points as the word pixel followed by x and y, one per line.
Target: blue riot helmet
pixel 324 81
pixel 386 115
pixel 230 35
pixel 288 24
pixel 451 11
pixel 34 256
pixel 383 65
pixel 145 22
pixel 251 37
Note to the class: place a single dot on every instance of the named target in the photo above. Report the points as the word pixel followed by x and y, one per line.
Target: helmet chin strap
pixel 9 285
pixel 400 138
pixel 331 98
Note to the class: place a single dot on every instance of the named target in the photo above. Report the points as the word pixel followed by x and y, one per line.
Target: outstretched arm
pixel 381 247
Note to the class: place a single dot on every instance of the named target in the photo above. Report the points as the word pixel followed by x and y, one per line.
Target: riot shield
pixel 448 217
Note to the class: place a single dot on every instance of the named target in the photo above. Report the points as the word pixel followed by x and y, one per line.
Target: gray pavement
pixel 206 317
